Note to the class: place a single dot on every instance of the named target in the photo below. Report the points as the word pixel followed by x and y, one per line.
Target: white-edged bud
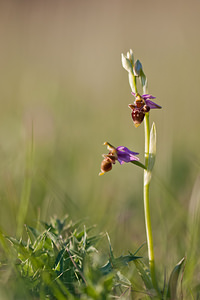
pixel 126 63
pixel 130 56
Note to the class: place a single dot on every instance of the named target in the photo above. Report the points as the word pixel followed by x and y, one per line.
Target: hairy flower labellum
pixel 141 105
pixel 106 165
pixel 137 116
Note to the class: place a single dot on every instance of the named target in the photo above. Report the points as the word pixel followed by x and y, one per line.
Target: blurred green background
pixel 61 74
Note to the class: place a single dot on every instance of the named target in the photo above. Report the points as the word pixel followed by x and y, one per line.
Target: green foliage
pixel 173 280
pixel 116 263
pixel 143 271
pixel 62 262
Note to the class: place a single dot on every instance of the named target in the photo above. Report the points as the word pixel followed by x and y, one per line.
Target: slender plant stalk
pixel 147 206
pixel 146 195
pixel 132 81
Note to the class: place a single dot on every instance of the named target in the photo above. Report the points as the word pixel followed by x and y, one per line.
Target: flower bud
pixel 137 69
pixel 126 63
pixel 130 56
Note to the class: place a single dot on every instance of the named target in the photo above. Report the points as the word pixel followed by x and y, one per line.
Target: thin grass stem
pixel 26 191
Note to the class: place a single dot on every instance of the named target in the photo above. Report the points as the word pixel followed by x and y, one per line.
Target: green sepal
pixel 173 280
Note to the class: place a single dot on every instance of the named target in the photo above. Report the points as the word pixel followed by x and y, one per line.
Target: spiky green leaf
pixel 117 263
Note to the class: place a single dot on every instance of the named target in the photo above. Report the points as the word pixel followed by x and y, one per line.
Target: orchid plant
pixel 140 110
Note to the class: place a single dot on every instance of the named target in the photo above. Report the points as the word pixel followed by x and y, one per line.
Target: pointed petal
pixel 148 96
pixel 152 104
pixel 125 149
pixel 120 161
pixel 125 157
pixel 131 106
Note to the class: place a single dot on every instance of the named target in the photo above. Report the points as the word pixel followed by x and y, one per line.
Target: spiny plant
pixel 62 262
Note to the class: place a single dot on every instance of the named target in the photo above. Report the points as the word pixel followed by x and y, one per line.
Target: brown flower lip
pixel 141 106
pixel 121 154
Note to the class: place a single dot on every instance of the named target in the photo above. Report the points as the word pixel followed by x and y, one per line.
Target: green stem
pixel 147 206
pixel 132 82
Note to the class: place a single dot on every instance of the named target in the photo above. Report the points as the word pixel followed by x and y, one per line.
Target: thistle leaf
pixel 116 263
pixel 32 233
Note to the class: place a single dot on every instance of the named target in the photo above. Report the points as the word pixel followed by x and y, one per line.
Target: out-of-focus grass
pixel 61 71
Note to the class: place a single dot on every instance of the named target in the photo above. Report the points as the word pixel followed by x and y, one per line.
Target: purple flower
pixel 125 155
pixel 142 105
pixel 121 153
